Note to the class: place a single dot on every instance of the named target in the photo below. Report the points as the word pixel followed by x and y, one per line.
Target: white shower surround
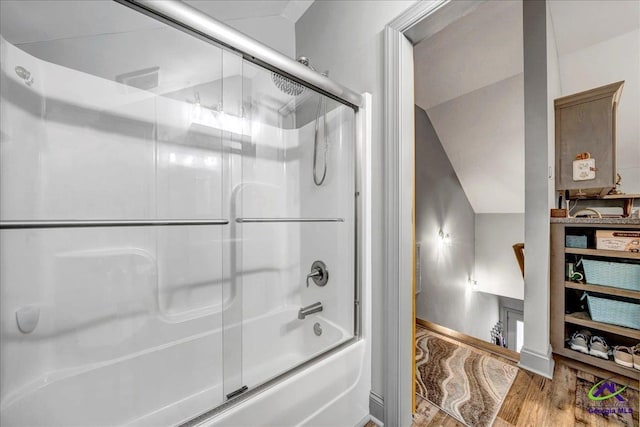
pixel 331 391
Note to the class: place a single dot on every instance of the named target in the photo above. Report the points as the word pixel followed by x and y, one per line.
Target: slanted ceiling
pixel 468 78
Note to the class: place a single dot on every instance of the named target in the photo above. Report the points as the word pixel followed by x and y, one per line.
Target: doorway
pixel 418 23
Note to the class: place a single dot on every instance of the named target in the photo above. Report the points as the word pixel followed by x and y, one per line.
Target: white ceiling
pixel 44 20
pixel 232 10
pixel 479 49
pixel 106 39
pixel 579 23
pixel 468 79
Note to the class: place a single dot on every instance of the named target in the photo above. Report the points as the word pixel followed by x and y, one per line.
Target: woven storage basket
pixel 615 274
pixel 575 241
pixel 614 312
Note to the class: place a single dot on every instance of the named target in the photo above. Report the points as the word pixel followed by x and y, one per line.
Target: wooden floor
pixel 537 401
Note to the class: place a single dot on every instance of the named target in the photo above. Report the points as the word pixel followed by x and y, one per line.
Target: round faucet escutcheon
pixel 319 274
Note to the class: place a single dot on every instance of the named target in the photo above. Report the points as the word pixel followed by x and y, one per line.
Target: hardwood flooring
pixel 537 401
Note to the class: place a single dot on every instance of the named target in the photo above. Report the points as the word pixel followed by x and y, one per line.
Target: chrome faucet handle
pixel 315 273
pixel 319 274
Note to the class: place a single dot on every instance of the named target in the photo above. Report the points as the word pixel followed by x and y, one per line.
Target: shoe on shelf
pixel 636 356
pixel 624 356
pixel 598 347
pixel 580 341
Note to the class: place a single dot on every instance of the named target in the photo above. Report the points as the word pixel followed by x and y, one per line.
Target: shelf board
pixel 583 319
pixel 603 253
pixel 609 290
pixel 608 365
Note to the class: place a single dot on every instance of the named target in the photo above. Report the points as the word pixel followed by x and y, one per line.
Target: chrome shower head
pixel 287 85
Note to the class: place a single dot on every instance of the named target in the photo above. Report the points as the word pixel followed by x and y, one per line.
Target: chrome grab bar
pixel 256 220
pixel 72 223
pixel 310 309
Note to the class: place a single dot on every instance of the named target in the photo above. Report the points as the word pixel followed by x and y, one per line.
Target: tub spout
pixel 310 309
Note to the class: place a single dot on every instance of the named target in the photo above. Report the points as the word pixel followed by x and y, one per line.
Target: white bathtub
pixel 175 392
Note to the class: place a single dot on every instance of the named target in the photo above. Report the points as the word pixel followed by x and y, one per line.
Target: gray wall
pixel 346 38
pixel 441 203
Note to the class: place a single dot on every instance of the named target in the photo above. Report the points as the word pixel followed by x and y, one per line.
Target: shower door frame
pixel 195 23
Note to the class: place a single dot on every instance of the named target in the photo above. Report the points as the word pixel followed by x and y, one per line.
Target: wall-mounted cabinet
pixel 586 123
pixel 569 308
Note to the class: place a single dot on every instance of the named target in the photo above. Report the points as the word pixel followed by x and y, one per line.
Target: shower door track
pixel 12 225
pixel 191 20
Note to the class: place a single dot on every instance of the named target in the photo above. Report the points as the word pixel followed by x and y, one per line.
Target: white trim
pixel 536 350
pixel 541 364
pixel 416 13
pixel 376 407
pixel 398 176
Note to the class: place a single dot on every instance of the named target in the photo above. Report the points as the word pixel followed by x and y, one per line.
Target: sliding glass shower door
pixel 160 224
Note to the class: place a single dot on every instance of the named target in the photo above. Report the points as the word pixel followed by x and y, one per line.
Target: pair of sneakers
pixel 627 356
pixel 594 345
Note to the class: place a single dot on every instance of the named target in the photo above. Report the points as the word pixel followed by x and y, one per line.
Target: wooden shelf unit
pixel 562 323
pixel 627 293
pixel 583 319
pixel 603 253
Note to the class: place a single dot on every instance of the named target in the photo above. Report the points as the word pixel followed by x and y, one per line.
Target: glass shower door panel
pixel 123 324
pixel 288 223
pixel 229 115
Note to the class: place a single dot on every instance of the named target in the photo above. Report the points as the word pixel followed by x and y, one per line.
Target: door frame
pixel 398 230
pixel 415 24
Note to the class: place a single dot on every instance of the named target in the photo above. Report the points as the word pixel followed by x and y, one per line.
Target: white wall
pixel 606 62
pixel 536 351
pixel 496 268
pixel 554 90
pixel 276 32
pixel 345 38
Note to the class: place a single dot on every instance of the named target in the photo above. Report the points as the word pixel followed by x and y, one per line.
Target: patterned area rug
pixel 466 384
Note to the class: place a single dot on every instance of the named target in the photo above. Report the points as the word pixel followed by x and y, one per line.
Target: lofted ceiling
pixel 468 78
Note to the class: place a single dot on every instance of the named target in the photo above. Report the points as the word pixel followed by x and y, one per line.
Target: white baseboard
pixel 376 408
pixel 541 364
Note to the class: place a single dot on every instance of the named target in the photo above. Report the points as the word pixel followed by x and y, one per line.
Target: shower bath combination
pixel 292 88
pixel 144 231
